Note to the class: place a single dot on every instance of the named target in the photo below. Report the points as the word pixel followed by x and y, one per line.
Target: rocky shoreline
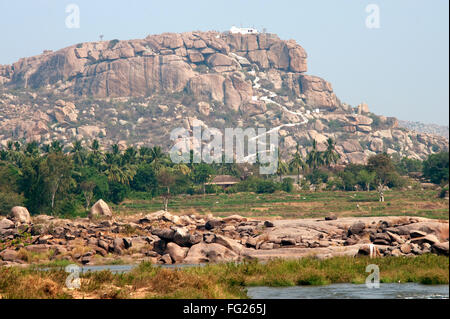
pixel 164 238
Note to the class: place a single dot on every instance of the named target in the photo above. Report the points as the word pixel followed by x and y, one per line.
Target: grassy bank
pixel 420 203
pixel 221 280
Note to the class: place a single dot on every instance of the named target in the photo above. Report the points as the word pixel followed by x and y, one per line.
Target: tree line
pixel 51 179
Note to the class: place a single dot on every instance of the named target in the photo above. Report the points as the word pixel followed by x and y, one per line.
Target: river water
pixel 335 291
pixel 352 291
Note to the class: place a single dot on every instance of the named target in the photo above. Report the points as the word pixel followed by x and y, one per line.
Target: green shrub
pixel 287 185
pixel 266 187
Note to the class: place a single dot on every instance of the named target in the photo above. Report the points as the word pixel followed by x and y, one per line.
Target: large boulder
pixel 318 92
pixel 20 214
pixel 441 248
pixel 357 228
pixel 204 253
pixel 9 255
pixel 183 238
pixel 229 243
pixel 176 252
pixel 6 223
pixel 100 210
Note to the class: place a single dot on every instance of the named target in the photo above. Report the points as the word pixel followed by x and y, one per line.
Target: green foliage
pixel 145 179
pixel 287 185
pixel 317 176
pixel 384 169
pixel 266 187
pixel 407 165
pixel 8 200
pixel 117 192
pixel 436 168
pixel 335 125
pixel 444 192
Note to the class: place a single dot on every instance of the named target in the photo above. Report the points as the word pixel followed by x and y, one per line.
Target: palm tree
pixel 56 147
pixel 330 156
pixel 115 149
pixel 130 154
pixel 120 174
pixel 297 163
pixel 314 158
pixel 158 158
pixel 32 148
pixel 282 168
pixel 145 153
pixel 95 156
pixel 182 168
pixel 77 152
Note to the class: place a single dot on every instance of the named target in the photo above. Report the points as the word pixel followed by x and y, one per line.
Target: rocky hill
pixel 137 91
pixel 425 128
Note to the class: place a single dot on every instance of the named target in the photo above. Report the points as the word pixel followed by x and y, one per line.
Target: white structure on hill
pixel 243 30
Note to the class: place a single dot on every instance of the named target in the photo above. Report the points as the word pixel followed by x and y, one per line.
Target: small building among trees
pixel 224 181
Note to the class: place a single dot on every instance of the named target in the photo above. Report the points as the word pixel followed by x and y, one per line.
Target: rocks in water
pixel 203 253
pixel 20 214
pixel 100 210
pixel 184 239
pixel 166 259
pixel 160 246
pixel 176 252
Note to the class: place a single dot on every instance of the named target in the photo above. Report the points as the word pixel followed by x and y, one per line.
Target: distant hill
pixel 425 128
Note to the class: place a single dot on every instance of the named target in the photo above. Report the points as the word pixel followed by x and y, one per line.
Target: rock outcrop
pixel 164 238
pixel 20 214
pixel 136 91
pixel 100 210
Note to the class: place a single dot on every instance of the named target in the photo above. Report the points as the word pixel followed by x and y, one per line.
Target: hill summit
pixel 137 91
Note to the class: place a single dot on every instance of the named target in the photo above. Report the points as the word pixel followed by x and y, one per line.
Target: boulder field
pixel 165 238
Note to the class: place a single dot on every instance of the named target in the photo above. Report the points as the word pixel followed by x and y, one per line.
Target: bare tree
pixel 87 187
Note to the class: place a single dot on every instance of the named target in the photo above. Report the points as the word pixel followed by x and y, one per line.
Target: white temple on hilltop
pixel 243 30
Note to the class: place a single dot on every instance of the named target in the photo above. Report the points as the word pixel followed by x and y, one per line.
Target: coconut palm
pixel 330 156
pixel 282 168
pixel 78 154
pixel 297 164
pixel 314 158
pixel 120 174
pixel 130 155
pixel 158 158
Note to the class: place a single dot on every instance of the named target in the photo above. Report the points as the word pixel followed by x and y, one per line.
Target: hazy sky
pixel 400 69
